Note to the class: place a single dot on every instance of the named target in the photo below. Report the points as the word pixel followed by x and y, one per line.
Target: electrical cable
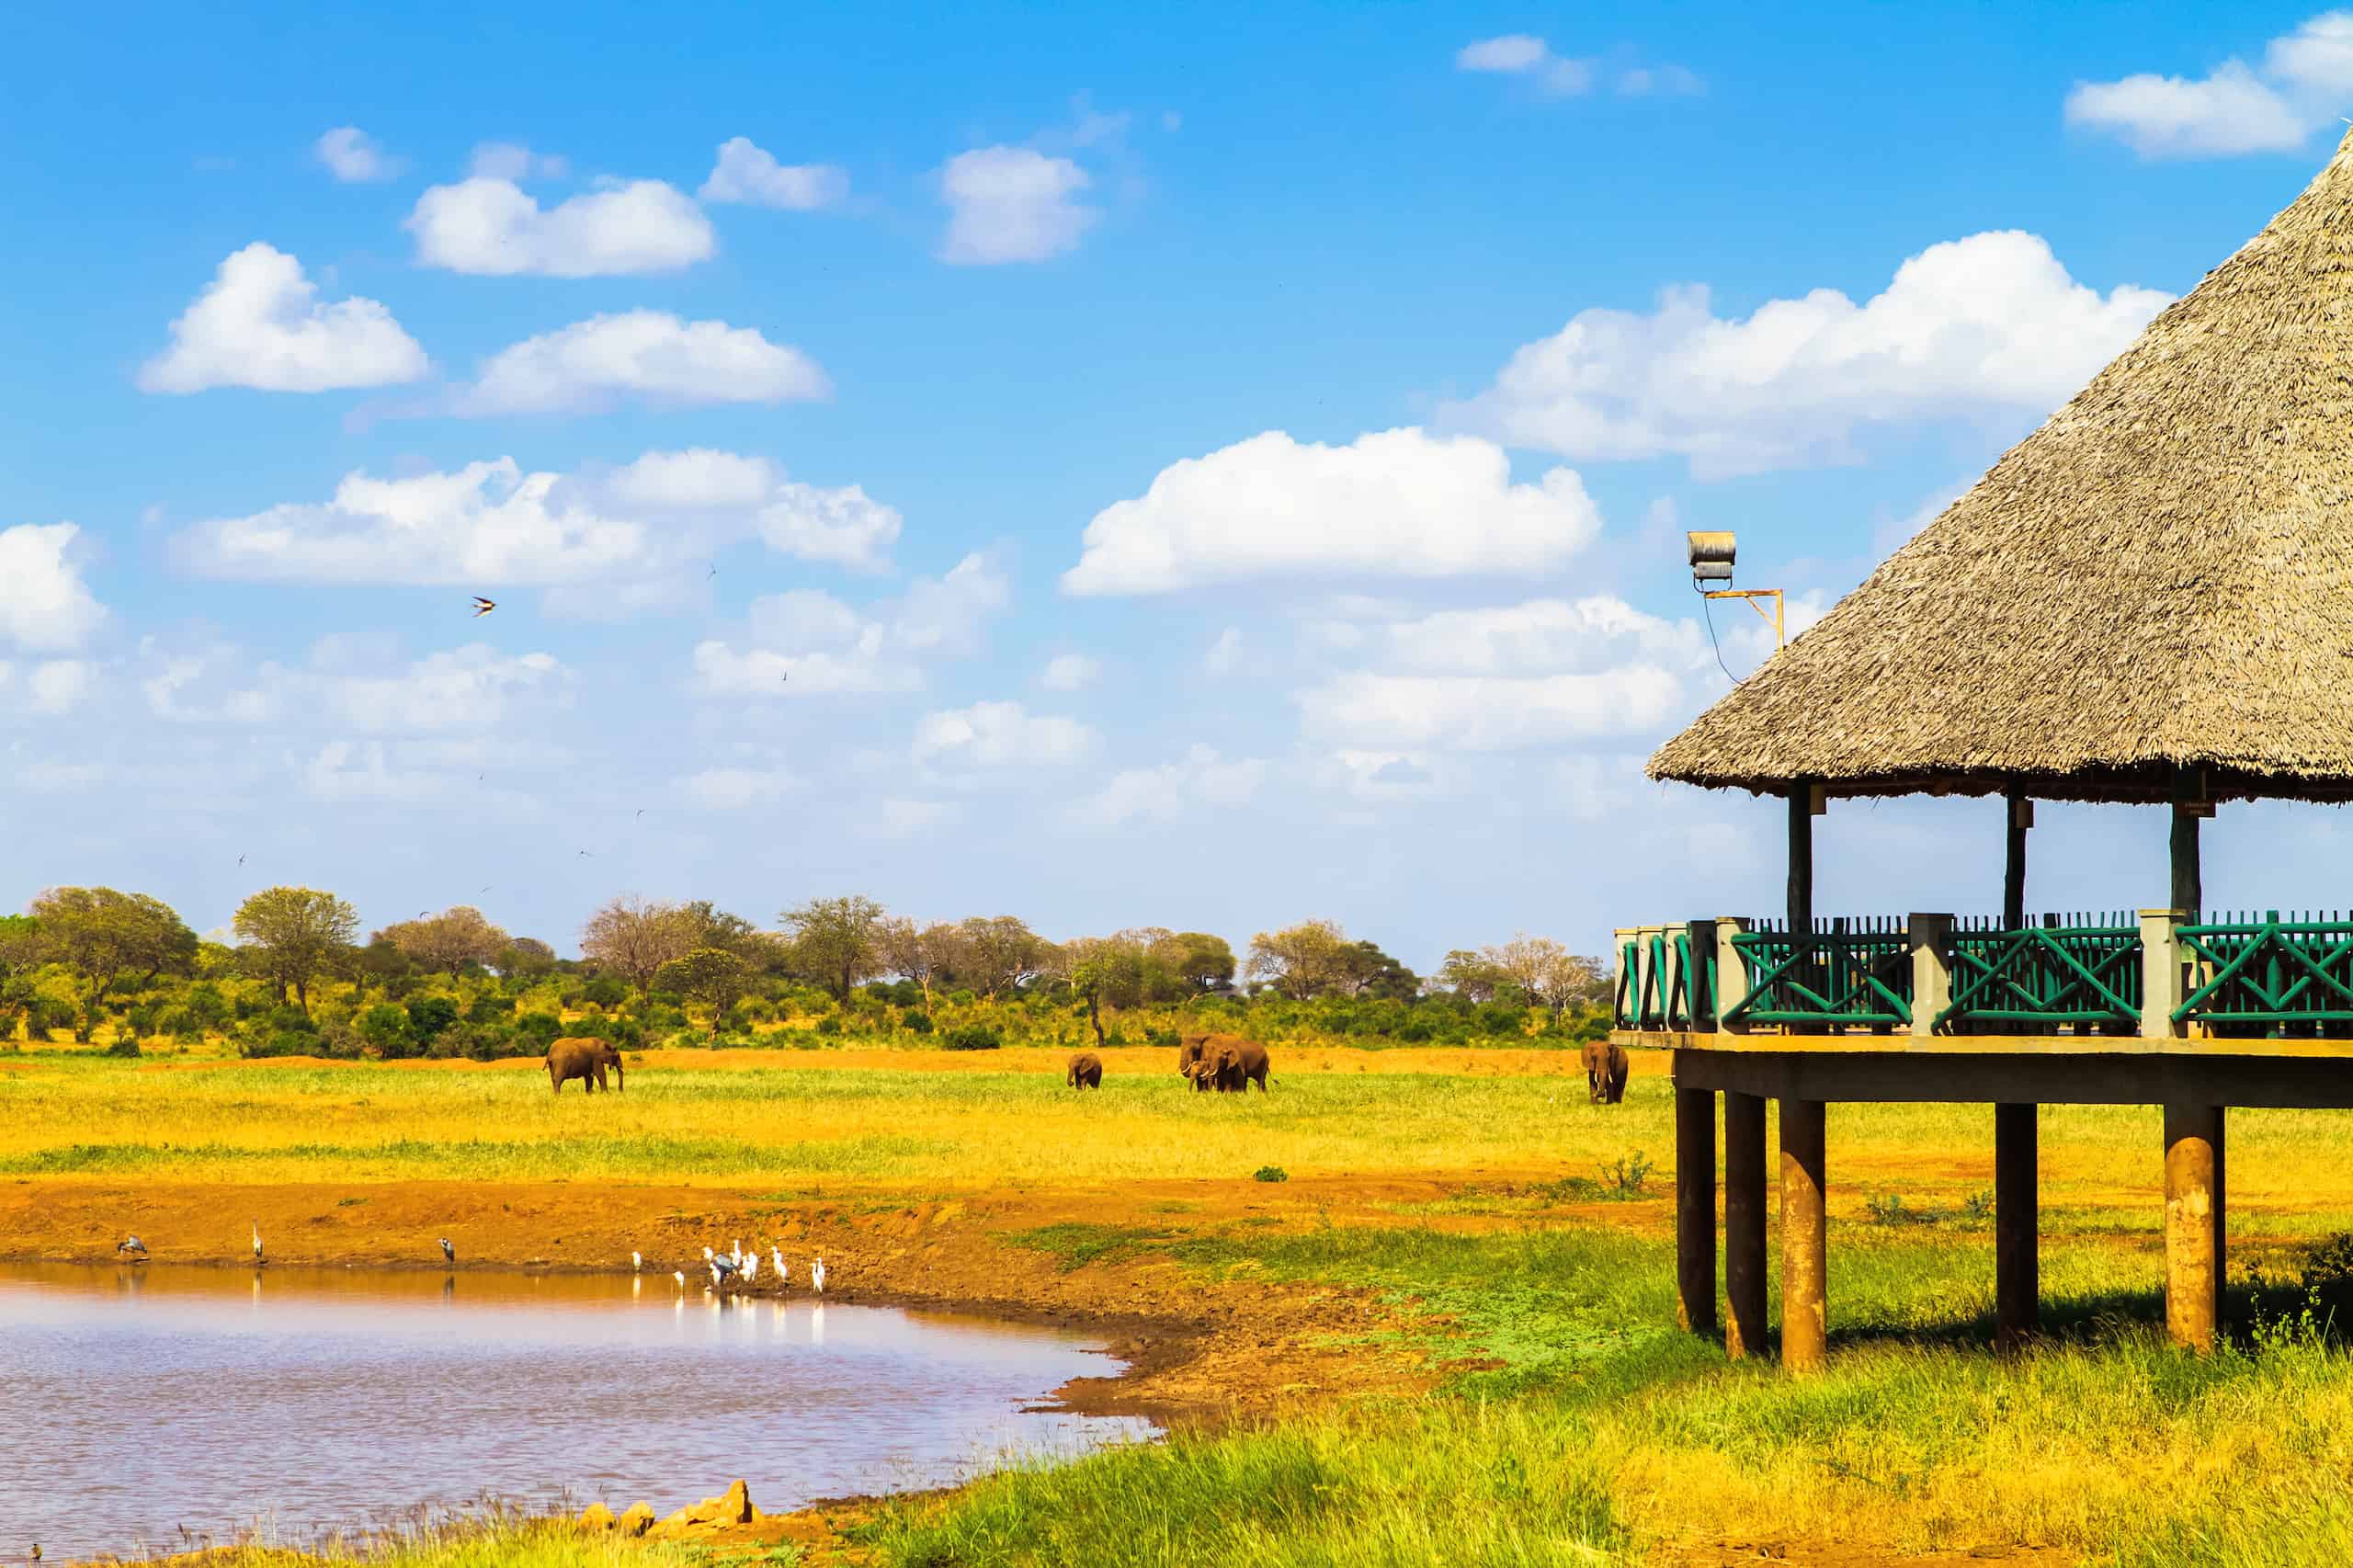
pixel 1707 614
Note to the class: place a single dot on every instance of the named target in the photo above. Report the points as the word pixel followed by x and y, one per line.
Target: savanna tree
pixel 450 940
pixel 634 937
pixel 101 935
pixel 712 976
pixel 293 935
pixel 836 942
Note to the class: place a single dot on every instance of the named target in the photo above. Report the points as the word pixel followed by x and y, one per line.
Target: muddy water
pixel 137 1402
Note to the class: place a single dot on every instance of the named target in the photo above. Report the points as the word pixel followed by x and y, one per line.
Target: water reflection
pixel 167 1398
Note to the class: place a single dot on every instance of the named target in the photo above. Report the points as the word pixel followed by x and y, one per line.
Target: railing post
pixel 1732 973
pixel 2161 971
pixel 1931 940
pixel 1702 979
pixel 1670 971
pixel 1648 994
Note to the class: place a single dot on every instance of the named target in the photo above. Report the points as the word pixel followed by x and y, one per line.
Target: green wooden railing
pixel 1847 972
pixel 2081 970
pixel 1664 984
pixel 2263 977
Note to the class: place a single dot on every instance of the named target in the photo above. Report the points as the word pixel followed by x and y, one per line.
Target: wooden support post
pixel 2019 814
pixel 1700 981
pixel 1744 1224
pixel 1695 1210
pixel 2188 807
pixel 1805 1325
pixel 2193 1144
pixel 2018 1268
pixel 1801 911
pixel 2221 1202
pixel 1930 937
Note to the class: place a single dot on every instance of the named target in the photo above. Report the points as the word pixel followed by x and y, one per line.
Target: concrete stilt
pixel 1744 1224
pixel 1695 1210
pixel 1805 1328
pixel 2017 1305
pixel 2193 1232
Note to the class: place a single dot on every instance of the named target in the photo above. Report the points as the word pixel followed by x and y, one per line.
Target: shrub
pixel 605 993
pixel 283 1042
pixel 385 1028
pixel 539 1028
pixel 489 1008
pixel 962 997
pixel 972 1037
pixel 1414 1031
pixel 831 1024
pixel 627 1034
pixel 663 1015
pixel 124 1045
pixel 918 1020
pixel 430 1017
pixel 1270 1173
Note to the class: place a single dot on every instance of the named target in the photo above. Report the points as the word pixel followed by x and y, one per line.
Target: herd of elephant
pixel 1226 1062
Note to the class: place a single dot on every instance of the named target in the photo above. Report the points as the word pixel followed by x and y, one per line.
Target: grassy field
pixel 1531 1271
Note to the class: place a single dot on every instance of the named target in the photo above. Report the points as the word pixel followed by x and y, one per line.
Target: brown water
pixel 141 1401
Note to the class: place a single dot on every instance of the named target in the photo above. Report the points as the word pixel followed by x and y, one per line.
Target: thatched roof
pixel 2161 576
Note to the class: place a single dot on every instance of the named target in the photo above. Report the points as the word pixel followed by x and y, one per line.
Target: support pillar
pixel 2162 971
pixel 1732 973
pixel 1744 1224
pixel 2193 1223
pixel 2018 1268
pixel 1930 938
pixel 2188 806
pixel 1805 1325
pixel 1801 910
pixel 2020 814
pixel 1695 1210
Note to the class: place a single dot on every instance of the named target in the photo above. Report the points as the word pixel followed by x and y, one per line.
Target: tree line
pixel 108 945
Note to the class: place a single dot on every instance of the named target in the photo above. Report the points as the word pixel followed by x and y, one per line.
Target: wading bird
pixel 722 1272
pixel 133 1246
pixel 258 1243
pixel 751 1267
pixel 680 1276
pixel 636 1263
pixel 817 1276
pixel 483 607
pixel 776 1258
pixel 448 1251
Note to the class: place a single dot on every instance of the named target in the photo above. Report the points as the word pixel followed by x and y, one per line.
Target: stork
pixel 817 1276
pixel 135 1246
pixel 448 1253
pixel 722 1271
pixel 257 1257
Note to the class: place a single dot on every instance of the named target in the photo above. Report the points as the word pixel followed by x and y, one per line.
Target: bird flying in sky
pixel 483 607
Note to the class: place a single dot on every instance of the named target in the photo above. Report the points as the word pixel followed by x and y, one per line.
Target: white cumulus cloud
pixel 492 226
pixel 1070 672
pixel 354 157
pixel 636 536
pixel 1489 713
pixel 651 356
pixel 1988 324
pixel 1397 503
pixel 806 642
pixel 511 160
pixel 735 788
pixel 2306 77
pixel 1000 734
pixel 1007 204
pixel 1523 54
pixel 44 605
pixel 1199 777
pixel 750 175
pixel 261 324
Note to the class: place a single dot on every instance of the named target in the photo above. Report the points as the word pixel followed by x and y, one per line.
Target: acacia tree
pixel 526 956
pixel 635 937
pixel 1302 961
pixel 450 940
pixel 711 975
pixel 998 952
pixel 919 952
pixel 293 935
pixel 837 941
pixel 100 935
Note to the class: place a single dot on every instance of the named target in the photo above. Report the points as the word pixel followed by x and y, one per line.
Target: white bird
pixel 256 1240
pixel 708 1254
pixel 680 1276
pixel 736 1252
pixel 637 1263
pixel 751 1267
pixel 776 1258
pixel 817 1276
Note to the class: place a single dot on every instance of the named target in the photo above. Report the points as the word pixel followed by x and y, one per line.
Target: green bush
pixel 430 1017
pixel 385 1028
pixel 972 1037
pixel 831 1024
pixel 539 1028
pixel 918 1020
pixel 489 1008
pixel 605 993
pixel 1270 1173
pixel 284 1042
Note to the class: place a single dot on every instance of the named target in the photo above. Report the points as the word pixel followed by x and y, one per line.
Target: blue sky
pixel 1203 469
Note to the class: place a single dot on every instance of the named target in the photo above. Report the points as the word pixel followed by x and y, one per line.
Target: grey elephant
pixel 1230 1065
pixel 1605 1070
pixel 1084 1072
pixel 585 1058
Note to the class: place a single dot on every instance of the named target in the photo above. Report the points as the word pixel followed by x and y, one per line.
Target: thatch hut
pixel 2149 598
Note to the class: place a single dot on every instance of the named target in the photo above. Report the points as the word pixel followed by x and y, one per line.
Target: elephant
pixel 1230 1065
pixel 585 1058
pixel 1190 1052
pixel 1605 1070
pixel 1086 1071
